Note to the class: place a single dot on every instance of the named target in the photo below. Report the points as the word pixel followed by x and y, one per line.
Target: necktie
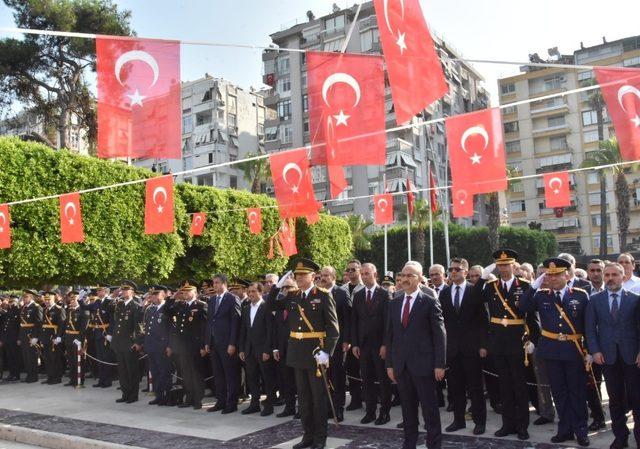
pixel 405 312
pixel 304 296
pixel 504 287
pixel 456 299
pixel 558 298
pixel 285 314
pixel 369 298
pixel 217 303
pixel 614 305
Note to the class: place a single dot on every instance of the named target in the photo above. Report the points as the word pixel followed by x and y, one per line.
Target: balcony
pixel 399 173
pixel 549 110
pixel 544 92
pixel 549 131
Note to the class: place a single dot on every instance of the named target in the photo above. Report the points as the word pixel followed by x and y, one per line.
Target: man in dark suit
pixel 573 280
pixel 337 366
pixel 255 343
pixel 351 364
pixel 416 355
pixel 9 329
pixel 30 322
pixel 221 343
pixel 75 330
pixel 51 334
pixel 368 320
pixel 467 323
pixel 98 329
pixel 613 338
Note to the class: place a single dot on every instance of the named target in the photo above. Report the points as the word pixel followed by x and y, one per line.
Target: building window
pixel 507 89
pixel 284 85
pixel 233 181
pixel 187 124
pixel 271 133
pixel 334 45
pixel 284 109
pixel 261 128
pixel 232 120
pixel 594 199
pixel 517 206
pixel 558 143
pixel 283 65
pixel 513 147
pixel 305 127
pixel 589 118
pixel 516 186
pixel 286 134
pixel 210 157
pixel 596 242
pixel 304 80
pixel 511 127
pixel 305 103
pixel 590 136
pixel 203 118
pixel 368 38
pixel 554 82
pixel 632 62
pixel 334 24
pixel 509 110
pixel 558 120
pixel 584 76
pixel 593 178
pixel 595 220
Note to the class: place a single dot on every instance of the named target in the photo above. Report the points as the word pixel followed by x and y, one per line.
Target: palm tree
pixel 609 153
pixel 359 228
pixel 493 212
pixel 255 172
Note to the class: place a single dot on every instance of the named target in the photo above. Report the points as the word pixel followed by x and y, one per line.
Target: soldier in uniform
pixel 509 331
pixel 98 330
pixel 156 341
pixel 30 322
pixel 127 322
pixel 51 334
pixel 562 315
pixel 75 329
pixel 314 333
pixel 9 330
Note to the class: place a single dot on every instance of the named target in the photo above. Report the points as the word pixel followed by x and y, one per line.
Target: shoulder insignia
pixel 546 290
pixel 324 290
pixel 58 307
pixel 524 280
pixel 492 281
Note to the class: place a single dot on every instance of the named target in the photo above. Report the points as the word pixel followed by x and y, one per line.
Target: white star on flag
pixel 475 159
pixel 636 121
pixel 400 42
pixel 341 118
pixel 136 98
pixel 294 189
pixel 70 221
pixel 556 191
pixel 160 209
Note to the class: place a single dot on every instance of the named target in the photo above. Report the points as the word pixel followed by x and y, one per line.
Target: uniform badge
pixel 316 301
pixel 175 319
pixel 190 318
pixel 504 322
pixel 159 320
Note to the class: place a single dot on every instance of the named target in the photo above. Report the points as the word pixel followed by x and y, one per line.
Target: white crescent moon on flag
pixel 386 203
pixel 479 130
pixel 253 216
pixel 555 180
pixel 291 166
pixel 341 77
pixel 197 220
pixel 3 219
pixel 137 55
pixel 459 197
pixel 70 205
pixel 627 89
pixel 161 190
pixel 385 6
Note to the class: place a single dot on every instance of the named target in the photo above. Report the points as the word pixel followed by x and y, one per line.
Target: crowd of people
pixel 452 337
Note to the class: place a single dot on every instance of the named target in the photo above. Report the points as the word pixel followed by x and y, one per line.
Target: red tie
pixel 369 298
pixel 285 314
pixel 405 312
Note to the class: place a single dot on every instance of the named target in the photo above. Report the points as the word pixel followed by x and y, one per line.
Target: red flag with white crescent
pixel 476 151
pixel 462 200
pixel 158 213
pixel 292 183
pixel 71 228
pixel 287 236
pixel 415 72
pixel 254 217
pixel 346 91
pixel 383 209
pixel 198 221
pixel 433 193
pixel 621 91
pixel 556 189
pixel 5 227
pixel 411 197
pixel 139 100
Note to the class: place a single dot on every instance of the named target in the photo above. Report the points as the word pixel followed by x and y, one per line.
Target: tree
pixel 610 154
pixel 255 172
pixel 48 73
pixel 493 211
pixel 359 226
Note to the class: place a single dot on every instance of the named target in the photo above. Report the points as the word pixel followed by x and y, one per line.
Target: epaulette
pixel 323 289
pixel 492 280
pixel 57 306
pixel 524 280
pixel 544 290
pixel 579 289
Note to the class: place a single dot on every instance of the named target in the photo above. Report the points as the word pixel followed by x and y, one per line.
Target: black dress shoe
pixel 253 408
pixel 156 401
pixel 523 435
pixel 13 379
pixel 395 401
pixel 541 420
pixel 455 426
pixel 383 418
pixel 450 407
pixel 503 432
pixel 217 407
pixel 286 412
pixel 105 386
pixel 303 444
pixel 197 406
pixel 561 438
pixel 31 381
pixel 228 410
pixel 296 415
pixel 266 411
pixel 479 429
pixel 354 406
pixel 597 425
pixel 132 400
pixel 278 402
pixel 368 418
pixel 619 444
pixel 121 400
pixel 400 425
pixel 319 445
pixel 583 441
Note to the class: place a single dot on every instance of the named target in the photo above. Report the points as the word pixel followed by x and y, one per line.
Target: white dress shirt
pixel 461 294
pixel 413 295
pixel 254 310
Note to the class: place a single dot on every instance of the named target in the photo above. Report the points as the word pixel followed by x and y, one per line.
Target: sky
pixel 478 29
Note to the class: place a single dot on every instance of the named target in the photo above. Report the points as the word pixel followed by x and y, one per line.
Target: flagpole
pixel 386 259
pixel 430 214
pixel 408 220
pixel 446 212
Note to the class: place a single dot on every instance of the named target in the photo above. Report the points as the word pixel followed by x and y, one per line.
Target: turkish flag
pixel 433 192
pixel 292 183
pixel 197 223
pixel 621 91
pixel 287 236
pixel 139 105
pixel 476 151
pixel 556 189
pixel 411 198
pixel 415 72
pixel 346 91
pixel 254 216
pixel 462 199
pixel 71 228
pixel 5 227
pixel 158 210
pixel 383 209
pixel 337 180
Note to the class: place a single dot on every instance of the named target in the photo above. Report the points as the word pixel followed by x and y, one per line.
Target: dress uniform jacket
pixel 75 326
pixel 30 322
pixel 126 325
pixel 9 330
pixel 53 319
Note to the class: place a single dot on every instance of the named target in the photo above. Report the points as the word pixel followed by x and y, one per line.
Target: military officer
pixel 562 315
pixel 313 326
pixel 30 322
pixel 156 341
pixel 98 306
pixel 75 329
pixel 509 331
pixel 127 322
pixel 9 330
pixel 51 334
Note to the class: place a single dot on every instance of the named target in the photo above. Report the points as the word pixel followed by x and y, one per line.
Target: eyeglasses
pixel 351 270
pixel 456 269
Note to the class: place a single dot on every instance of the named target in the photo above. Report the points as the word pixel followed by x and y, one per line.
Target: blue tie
pixel 614 305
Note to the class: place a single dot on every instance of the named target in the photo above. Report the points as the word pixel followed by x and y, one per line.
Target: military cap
pixel 239 283
pixel 94 291
pixel 505 256
pixel 388 280
pixel 305 266
pixel 73 292
pixel 187 286
pixel 158 289
pixel 555 265
pixel 31 292
pixel 128 285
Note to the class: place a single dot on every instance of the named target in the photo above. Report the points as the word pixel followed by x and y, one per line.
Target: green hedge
pixel 471 243
pixel 115 245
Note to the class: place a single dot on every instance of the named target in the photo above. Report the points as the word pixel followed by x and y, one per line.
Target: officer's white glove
pixel 538 282
pixel 109 338
pixel 529 347
pixel 77 343
pixel 588 359
pixel 57 340
pixel 283 278
pixel 33 341
pixel 322 358
pixel 487 271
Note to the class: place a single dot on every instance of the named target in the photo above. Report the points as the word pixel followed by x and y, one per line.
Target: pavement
pixel 55 416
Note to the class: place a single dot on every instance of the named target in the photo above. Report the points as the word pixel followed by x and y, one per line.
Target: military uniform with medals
pixel 156 340
pixel 97 330
pixel 75 330
pixel 30 322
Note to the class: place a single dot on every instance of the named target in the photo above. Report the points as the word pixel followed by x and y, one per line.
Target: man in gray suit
pixel 613 338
